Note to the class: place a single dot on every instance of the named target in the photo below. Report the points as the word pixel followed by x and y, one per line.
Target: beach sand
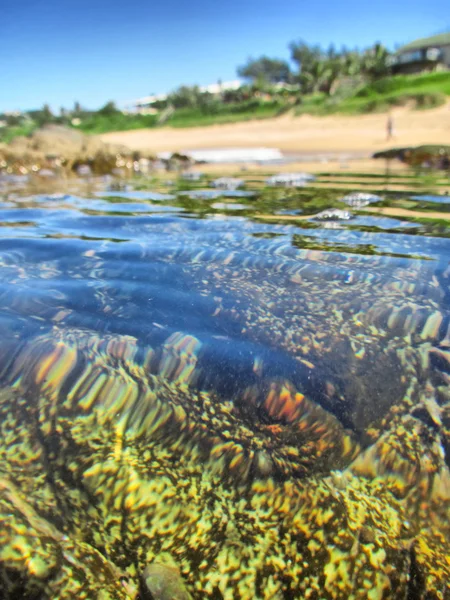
pixel 312 136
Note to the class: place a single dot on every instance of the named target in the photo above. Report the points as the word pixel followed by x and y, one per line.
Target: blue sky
pixel 96 50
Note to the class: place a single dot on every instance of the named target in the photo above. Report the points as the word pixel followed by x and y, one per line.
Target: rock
pixel 56 145
pixel 164 582
pixel 429 155
pixel 57 139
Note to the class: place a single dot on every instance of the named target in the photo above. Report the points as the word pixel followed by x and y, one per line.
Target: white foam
pixel 224 155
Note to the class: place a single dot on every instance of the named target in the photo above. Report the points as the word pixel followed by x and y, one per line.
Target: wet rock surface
pixel 430 156
pixel 62 150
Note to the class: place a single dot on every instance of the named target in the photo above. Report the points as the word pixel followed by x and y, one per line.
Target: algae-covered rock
pixel 164 582
pixel 38 561
pixel 121 483
pixel 65 148
pixel 433 156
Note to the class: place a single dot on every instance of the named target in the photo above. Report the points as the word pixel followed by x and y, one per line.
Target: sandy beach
pixel 358 135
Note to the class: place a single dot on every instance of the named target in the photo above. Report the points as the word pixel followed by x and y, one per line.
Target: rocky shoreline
pixel 55 150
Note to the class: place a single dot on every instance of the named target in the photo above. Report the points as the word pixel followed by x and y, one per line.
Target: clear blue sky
pixel 59 51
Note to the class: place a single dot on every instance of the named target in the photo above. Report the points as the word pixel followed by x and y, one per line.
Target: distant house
pixel 426 54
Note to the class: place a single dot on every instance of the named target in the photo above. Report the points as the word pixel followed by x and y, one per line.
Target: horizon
pixel 93 53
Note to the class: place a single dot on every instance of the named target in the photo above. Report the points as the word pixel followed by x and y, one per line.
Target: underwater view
pixel 225 387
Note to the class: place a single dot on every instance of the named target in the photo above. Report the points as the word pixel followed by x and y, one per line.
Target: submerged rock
pixel 326 479
pixel 127 469
pixel 164 582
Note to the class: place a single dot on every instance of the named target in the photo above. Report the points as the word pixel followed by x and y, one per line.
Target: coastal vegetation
pixel 317 82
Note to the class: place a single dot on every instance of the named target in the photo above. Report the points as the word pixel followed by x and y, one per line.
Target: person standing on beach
pixel 390 127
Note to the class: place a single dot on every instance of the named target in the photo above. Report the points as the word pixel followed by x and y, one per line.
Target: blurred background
pixel 300 81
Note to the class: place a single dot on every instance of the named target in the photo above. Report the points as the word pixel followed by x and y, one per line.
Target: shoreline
pixel 305 135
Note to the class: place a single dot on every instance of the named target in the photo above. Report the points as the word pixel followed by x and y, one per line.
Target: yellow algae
pixel 377 558
pixel 90 397
pixel 375 594
pixel 164 486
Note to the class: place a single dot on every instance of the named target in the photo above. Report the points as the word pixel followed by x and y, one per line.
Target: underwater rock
pixel 297 435
pixel 164 582
pixel 37 560
pixel 288 486
pixel 118 457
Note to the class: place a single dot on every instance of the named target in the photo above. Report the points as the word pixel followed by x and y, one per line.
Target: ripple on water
pixel 224 402
pixel 432 198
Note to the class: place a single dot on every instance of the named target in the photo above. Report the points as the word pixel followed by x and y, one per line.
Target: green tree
pixel 322 70
pixel 351 62
pixel 305 56
pixel 46 113
pixel 109 109
pixel 185 97
pixel 42 116
pixel 374 62
pixel 271 70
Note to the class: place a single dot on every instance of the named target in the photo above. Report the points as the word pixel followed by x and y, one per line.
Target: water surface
pixel 260 405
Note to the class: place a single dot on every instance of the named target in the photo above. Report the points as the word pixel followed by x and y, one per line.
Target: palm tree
pixel 317 78
pixel 374 61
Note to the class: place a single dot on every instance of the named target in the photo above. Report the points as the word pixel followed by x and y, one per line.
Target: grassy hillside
pixel 186 117
pixel 422 91
pixel 118 122
pixel 425 82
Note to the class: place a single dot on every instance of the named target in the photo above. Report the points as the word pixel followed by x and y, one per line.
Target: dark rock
pixel 429 156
